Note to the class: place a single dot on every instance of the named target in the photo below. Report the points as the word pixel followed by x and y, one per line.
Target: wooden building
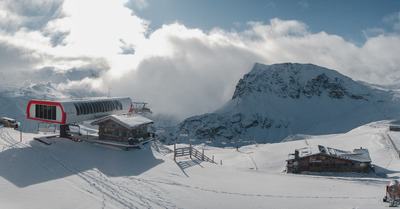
pixel 123 128
pixel 326 159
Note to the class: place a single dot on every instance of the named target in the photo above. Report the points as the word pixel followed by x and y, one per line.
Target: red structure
pixel 74 111
pixel 70 112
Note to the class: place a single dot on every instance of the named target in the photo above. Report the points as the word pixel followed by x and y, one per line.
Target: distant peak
pixel 295 80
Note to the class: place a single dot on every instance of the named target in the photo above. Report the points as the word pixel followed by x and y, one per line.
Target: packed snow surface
pixel 69 174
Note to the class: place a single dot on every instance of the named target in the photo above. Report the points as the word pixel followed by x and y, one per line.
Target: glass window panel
pixel 78 112
pixel 41 111
pixel 54 112
pixel 102 106
pixel 48 109
pixel 96 107
pixel 85 108
pixel 80 108
pixel 37 111
pixel 90 107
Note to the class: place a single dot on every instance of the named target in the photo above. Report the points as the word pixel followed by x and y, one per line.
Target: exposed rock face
pixel 274 101
pixel 294 81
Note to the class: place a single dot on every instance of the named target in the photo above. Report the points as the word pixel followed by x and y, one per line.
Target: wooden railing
pixel 192 152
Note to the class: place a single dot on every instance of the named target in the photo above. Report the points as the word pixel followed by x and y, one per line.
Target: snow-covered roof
pixel 129 121
pixel 359 155
pixel 7 118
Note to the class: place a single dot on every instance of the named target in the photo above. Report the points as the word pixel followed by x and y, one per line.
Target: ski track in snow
pixel 177 184
pixel 254 162
pixel 122 193
pixel 9 139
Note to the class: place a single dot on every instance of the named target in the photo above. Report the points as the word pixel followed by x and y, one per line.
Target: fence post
pixel 221 162
pixel 213 158
pixel 190 150
pixel 175 151
pixel 202 155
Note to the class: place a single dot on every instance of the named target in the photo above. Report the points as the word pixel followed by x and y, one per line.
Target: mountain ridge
pixel 272 102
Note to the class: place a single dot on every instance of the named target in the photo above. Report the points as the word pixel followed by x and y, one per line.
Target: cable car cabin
pixel 74 111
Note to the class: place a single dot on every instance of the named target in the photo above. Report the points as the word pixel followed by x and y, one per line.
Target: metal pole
pixel 20 135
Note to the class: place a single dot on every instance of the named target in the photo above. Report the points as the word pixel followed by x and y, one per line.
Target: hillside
pixel 68 174
pixel 273 102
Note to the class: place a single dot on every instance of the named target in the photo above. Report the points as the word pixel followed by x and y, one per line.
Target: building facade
pixel 328 159
pixel 123 128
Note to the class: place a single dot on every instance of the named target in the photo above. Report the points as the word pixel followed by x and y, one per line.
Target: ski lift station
pixel 75 111
pixel 117 126
pixel 67 113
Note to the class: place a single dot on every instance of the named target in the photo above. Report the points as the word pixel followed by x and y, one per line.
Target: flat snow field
pixel 69 174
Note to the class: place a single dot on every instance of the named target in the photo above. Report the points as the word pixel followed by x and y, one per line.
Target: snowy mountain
pixel 274 102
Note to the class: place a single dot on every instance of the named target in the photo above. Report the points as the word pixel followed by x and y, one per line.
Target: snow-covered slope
pixel 68 174
pixel 273 102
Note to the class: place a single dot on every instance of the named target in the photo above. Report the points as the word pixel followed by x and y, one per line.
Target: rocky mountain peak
pixel 272 102
pixel 291 80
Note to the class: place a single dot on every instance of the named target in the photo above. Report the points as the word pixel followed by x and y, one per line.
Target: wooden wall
pixel 323 163
pixel 110 130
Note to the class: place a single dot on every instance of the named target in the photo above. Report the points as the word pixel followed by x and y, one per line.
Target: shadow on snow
pixel 187 164
pixel 40 163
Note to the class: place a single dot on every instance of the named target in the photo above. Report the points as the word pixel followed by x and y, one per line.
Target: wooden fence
pixel 192 152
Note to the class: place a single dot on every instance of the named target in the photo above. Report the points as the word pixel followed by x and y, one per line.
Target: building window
pixel 48 112
pixel 90 107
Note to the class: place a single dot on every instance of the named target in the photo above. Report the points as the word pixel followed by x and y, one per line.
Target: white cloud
pixel 193 72
pixel 180 70
pixel 31 15
pixel 394 20
pixel 373 32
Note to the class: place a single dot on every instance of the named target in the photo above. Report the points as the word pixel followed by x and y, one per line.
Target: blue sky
pixel 348 19
pixel 194 52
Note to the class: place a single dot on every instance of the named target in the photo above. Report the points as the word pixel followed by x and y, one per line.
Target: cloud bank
pixel 178 70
